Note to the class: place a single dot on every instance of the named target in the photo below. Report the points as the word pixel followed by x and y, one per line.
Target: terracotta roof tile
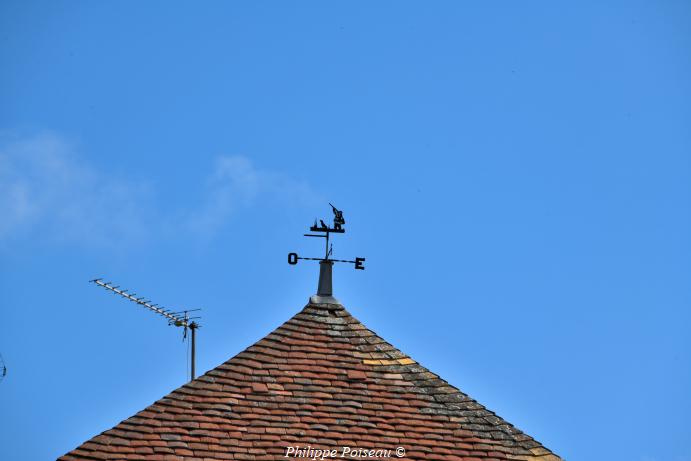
pixel 324 380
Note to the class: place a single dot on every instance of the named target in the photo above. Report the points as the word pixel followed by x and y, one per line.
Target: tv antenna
pixel 324 289
pixel 179 319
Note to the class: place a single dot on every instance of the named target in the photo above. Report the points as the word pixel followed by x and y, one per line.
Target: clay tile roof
pixel 320 380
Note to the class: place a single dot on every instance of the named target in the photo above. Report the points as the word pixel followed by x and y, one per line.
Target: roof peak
pixel 323 379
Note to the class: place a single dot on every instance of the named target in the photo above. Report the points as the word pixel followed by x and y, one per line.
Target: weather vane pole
pixel 325 289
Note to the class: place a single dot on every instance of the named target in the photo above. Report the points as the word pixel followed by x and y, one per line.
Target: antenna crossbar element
pixel 179 318
pixel 182 312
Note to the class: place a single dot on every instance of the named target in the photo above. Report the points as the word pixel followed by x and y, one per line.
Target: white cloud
pixel 236 183
pixel 47 191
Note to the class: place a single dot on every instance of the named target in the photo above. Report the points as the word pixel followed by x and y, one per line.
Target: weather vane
pixel 324 291
pixel 325 230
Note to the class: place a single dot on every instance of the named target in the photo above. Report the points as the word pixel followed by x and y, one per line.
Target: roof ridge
pixel 396 355
pixel 321 378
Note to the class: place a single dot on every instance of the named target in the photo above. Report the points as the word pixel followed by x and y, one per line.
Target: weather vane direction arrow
pixel 324 291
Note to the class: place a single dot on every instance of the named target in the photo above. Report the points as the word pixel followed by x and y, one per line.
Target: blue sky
pixel 517 175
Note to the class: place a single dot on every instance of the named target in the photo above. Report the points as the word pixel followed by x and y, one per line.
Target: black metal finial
pixel 326 263
pixel 338 217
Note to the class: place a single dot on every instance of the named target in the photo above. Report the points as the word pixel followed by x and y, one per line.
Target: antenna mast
pixel 178 319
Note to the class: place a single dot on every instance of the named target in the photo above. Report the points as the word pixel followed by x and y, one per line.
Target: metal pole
pixel 193 327
pixel 327 245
